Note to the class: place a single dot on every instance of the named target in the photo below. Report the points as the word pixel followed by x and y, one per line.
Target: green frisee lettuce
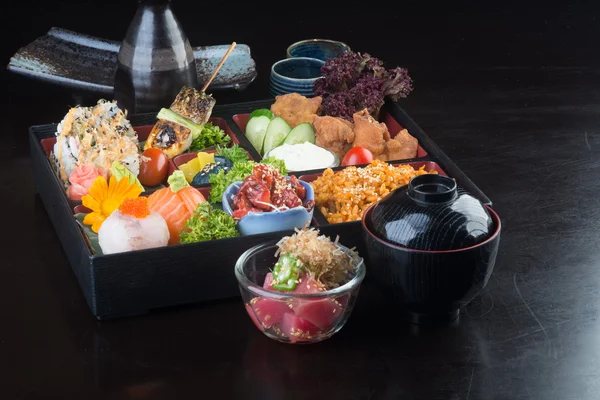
pixel 238 172
pixel 208 223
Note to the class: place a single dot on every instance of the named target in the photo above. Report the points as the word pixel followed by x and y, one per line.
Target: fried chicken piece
pixel 334 134
pixel 401 147
pixel 296 109
pixel 369 133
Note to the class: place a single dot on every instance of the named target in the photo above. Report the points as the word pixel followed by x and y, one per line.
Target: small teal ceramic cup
pixel 321 49
pixel 262 222
pixel 295 75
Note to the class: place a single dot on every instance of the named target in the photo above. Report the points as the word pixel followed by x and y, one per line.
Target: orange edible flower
pixel 105 197
pixel 137 208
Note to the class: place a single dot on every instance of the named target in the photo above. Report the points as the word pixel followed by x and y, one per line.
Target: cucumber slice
pixel 301 134
pixel 260 112
pixel 256 129
pixel 276 132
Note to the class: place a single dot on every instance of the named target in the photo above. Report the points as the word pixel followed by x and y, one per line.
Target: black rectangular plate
pixel 135 283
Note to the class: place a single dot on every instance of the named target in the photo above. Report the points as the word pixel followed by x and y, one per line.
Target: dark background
pixel 509 90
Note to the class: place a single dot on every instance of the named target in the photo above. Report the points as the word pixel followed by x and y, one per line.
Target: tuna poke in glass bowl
pixel 300 289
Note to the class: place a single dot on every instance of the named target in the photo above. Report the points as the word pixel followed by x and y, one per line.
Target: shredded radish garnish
pixel 329 264
pixel 278 209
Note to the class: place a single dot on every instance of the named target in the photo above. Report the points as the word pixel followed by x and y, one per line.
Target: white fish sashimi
pixel 120 233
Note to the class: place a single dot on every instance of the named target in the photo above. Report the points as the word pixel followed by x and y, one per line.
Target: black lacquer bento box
pixel 139 282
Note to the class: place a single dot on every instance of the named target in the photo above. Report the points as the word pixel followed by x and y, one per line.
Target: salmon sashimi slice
pixel 175 208
pixel 171 208
pixel 191 197
pixel 176 220
pixel 162 199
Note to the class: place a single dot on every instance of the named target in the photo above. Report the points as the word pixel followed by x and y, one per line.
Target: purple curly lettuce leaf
pixel 355 81
pixel 398 84
pixel 340 73
pixel 320 87
pixel 367 93
pixel 339 105
pixel 372 66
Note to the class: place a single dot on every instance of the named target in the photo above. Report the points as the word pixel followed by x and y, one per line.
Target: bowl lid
pixel 431 213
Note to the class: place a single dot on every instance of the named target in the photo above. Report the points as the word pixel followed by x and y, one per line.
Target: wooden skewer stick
pixel 216 71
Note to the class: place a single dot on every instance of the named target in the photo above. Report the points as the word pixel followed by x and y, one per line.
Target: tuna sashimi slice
pixel 321 313
pixel 253 317
pixel 297 329
pixel 308 286
pixel 270 311
pixel 268 281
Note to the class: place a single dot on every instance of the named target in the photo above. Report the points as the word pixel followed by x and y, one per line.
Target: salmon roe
pixel 137 208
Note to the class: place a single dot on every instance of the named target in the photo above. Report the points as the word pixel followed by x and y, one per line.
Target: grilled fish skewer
pixel 170 137
pixel 183 121
pixel 194 105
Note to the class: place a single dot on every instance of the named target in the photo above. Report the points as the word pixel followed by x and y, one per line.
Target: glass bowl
pixel 290 317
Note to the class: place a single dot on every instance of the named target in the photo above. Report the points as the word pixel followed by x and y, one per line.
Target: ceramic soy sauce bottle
pixel 155 60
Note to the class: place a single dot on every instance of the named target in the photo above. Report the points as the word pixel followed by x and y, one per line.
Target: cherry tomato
pixel 357 155
pixel 154 171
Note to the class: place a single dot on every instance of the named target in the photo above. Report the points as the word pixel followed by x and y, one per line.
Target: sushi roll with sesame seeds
pixel 96 136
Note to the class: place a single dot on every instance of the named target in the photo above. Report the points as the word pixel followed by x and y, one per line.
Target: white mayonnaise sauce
pixel 303 156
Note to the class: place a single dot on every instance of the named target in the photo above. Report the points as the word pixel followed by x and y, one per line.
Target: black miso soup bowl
pixel 431 248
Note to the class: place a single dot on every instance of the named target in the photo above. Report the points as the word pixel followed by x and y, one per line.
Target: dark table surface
pixel 510 92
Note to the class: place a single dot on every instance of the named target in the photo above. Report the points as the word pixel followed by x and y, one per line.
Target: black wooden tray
pixel 138 282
